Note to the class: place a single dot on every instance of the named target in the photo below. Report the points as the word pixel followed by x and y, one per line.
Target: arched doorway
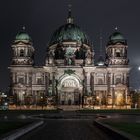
pixel 69 89
pixel 69 102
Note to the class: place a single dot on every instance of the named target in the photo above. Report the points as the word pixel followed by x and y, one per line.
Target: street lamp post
pixel 3 101
pixel 99 100
pixel 79 100
pixel 82 101
pixel 42 102
pixel 56 84
pixel 138 96
pixel 46 101
pixel 93 100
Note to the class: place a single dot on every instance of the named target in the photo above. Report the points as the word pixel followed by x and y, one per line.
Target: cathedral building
pixel 69 75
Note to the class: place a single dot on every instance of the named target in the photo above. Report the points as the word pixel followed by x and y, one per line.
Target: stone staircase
pixel 69 107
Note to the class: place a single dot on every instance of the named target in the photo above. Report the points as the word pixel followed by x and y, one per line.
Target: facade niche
pixel 21 53
pixel 21 80
pixel 39 81
pixel 118 80
pixel 100 81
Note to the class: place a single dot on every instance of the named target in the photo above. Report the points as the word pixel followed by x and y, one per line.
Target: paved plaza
pixel 69 125
pixel 67 129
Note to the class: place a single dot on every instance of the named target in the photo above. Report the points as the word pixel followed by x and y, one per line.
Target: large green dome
pixel 68 32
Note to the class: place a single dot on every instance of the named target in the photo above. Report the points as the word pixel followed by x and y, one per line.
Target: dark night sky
pixel 42 17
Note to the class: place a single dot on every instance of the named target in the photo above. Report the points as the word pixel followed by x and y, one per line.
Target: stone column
pixel 92 83
pixel 46 79
pixel 13 77
pixel 113 97
pixel 26 52
pixel 85 83
pixel 88 83
pixel 126 94
pixel 113 79
pixel 104 78
pixel 27 80
pixel 108 83
pixel 53 83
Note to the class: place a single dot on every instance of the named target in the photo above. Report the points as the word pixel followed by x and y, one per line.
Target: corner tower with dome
pixel 69 77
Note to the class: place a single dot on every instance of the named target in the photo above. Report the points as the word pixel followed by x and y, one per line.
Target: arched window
pixel 100 81
pixel 21 53
pixel 21 80
pixel 39 81
pixel 13 52
pixel 118 53
pixel 59 53
pixel 118 80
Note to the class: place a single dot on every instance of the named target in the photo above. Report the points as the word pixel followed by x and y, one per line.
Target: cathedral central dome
pixel 69 32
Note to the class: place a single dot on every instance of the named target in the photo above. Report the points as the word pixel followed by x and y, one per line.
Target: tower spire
pixel 101 42
pixel 69 18
pixel 23 28
pixel 101 59
pixel 116 28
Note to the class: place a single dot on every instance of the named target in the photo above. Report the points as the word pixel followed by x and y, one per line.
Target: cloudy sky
pixel 42 17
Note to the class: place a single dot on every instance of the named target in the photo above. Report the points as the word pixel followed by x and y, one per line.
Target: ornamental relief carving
pixel 69 83
pixel 119 62
pixel 22 61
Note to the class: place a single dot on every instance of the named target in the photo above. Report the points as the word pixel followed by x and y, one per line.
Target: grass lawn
pixel 12 114
pixel 7 126
pixel 132 128
pixel 27 112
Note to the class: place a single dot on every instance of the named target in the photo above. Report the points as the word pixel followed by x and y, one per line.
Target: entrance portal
pixel 69 90
pixel 69 102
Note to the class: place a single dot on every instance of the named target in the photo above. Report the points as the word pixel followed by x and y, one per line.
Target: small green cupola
pixel 23 36
pixel 116 37
pixel 23 51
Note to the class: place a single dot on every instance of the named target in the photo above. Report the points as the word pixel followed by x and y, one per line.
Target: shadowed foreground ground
pixel 66 130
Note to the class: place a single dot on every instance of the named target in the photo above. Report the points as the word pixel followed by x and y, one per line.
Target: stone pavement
pixel 67 129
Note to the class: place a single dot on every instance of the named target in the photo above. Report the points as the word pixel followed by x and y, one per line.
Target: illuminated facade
pixel 69 76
